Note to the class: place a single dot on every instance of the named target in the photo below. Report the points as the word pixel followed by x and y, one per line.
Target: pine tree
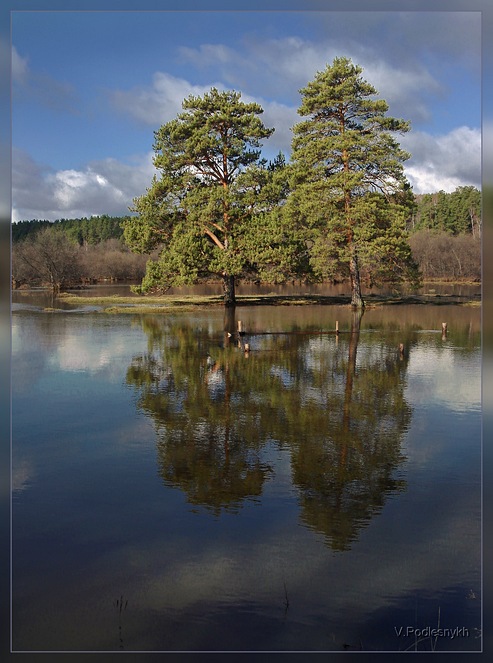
pixel 204 209
pixel 348 180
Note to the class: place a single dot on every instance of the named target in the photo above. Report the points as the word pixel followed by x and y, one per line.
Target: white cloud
pixel 272 71
pixel 23 472
pixel 407 91
pixel 96 356
pixel 102 187
pixel 72 189
pixel 208 55
pixel 290 62
pixel 108 186
pixel 160 102
pixel 279 117
pixel 443 162
pixel 280 67
pixel 19 66
pixel 432 374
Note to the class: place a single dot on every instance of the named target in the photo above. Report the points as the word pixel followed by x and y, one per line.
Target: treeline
pixel 85 230
pixel 73 251
pixel 455 213
pixel 444 235
pixel 443 256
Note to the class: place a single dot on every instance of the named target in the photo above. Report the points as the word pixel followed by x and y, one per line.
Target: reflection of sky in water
pixel 444 376
pixel 91 348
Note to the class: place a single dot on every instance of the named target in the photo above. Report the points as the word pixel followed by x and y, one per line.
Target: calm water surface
pixel 174 493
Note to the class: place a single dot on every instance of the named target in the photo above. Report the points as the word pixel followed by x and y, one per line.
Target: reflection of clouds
pixel 215 381
pixel 22 473
pixel 90 353
pixel 134 434
pixel 41 344
pixel 27 368
pixel 284 376
pixel 189 587
pixel 422 544
pixel 380 572
pixel 74 355
pixel 444 377
pixel 177 575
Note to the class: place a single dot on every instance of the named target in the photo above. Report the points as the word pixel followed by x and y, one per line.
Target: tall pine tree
pixel 213 195
pixel 348 180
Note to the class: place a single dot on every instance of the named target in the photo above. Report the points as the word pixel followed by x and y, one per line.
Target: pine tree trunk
pixel 348 392
pixel 356 298
pixel 229 290
pixel 351 366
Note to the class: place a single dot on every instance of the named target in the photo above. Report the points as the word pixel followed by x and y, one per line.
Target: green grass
pixel 167 303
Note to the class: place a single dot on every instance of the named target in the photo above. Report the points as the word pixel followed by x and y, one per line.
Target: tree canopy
pixel 47 255
pixel 83 230
pixel 456 213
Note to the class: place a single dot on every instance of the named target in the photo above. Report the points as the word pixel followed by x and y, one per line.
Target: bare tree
pixel 49 258
pixel 442 255
pixel 112 260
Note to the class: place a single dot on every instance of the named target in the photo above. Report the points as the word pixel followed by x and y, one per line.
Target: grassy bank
pixel 150 304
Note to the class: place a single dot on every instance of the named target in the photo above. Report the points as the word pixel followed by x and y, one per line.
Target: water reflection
pixel 346 467
pixel 204 445
pixel 295 453
pixel 218 410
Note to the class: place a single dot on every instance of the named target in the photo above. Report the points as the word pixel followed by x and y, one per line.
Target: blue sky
pixel 90 88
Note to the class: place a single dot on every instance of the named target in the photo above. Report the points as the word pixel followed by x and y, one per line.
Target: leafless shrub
pixel 48 258
pixel 444 256
pixel 112 260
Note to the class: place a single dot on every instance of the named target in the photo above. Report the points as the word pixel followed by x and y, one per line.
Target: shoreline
pixel 166 303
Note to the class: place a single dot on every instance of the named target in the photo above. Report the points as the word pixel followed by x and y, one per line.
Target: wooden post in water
pixel 444 330
pixel 337 326
pixel 241 333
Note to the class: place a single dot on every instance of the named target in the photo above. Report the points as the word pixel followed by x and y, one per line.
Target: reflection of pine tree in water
pixel 215 410
pixel 344 470
pixel 204 445
pixel 213 461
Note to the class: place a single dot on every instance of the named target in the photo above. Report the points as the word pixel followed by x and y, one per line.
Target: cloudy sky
pixel 90 88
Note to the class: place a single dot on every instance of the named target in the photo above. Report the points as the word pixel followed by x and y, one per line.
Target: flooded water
pixel 41 296
pixel 319 492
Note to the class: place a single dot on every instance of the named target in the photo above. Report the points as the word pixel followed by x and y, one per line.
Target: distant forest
pixel 91 230
pixel 444 234
pixel 456 213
